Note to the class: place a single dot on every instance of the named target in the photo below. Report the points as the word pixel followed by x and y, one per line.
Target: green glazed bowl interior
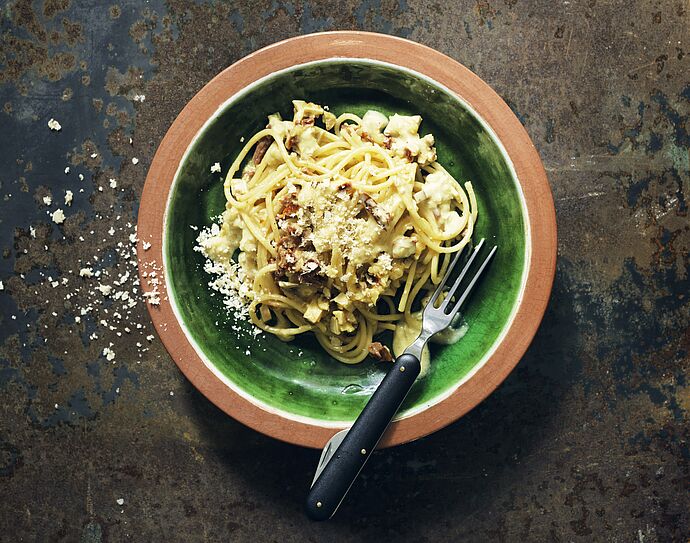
pixel 298 379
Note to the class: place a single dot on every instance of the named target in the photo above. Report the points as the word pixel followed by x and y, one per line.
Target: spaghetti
pixel 339 227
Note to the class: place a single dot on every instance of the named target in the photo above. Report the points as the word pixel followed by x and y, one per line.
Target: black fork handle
pixel 337 477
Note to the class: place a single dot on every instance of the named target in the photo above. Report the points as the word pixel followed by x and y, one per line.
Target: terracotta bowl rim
pixel 481 101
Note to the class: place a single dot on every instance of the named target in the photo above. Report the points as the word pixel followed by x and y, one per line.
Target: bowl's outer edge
pixel 435 65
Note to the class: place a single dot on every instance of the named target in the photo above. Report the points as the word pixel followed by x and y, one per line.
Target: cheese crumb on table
pixel 113 183
pixel 105 290
pixel 215 168
pixel 58 216
pixel 48 200
pixel 54 125
pixel 68 197
pixel 135 160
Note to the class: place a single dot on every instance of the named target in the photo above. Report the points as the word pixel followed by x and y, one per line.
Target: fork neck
pixel 418 344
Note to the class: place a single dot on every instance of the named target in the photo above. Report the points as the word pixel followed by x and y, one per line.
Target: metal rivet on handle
pixel 402 368
pixel 318 504
pixel 363 451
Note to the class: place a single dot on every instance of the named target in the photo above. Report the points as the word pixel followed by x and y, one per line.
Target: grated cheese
pixel 109 353
pixel 58 216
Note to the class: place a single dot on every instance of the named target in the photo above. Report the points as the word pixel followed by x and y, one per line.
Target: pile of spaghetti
pixel 339 227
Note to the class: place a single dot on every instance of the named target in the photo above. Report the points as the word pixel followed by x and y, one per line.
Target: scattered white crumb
pixel 58 216
pixel 215 168
pixel 56 406
pixel 152 296
pixel 130 141
pixel 113 183
pixel 67 169
pixel 81 177
pixel 135 160
pixel 139 97
pixel 68 197
pixel 147 246
pixel 109 355
pixel 2 287
pixel 150 337
pixel 242 139
pixel 32 231
pixel 172 393
pixel 86 272
pixel 111 231
pixel 48 200
pixel 94 155
pixel 120 501
pixel 105 289
pixel 54 125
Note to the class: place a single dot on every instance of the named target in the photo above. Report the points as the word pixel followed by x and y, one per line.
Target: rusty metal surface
pixel 587 439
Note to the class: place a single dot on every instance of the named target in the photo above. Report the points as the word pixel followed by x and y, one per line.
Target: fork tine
pixel 471 284
pixel 443 282
pixel 460 277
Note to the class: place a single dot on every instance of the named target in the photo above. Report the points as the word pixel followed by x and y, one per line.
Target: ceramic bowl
pixel 294 391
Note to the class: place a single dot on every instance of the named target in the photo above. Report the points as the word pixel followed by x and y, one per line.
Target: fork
pixel 346 452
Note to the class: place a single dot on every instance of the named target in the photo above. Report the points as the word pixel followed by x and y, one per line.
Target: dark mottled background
pixel 586 440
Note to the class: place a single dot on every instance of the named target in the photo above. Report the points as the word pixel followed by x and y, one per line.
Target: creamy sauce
pixel 405 334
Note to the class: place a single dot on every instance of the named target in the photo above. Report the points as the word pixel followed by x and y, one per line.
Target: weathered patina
pixel 586 440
